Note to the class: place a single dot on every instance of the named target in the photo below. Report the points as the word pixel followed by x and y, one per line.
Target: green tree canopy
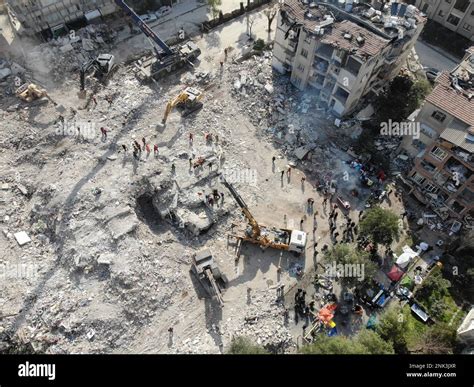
pixel 393 327
pixel 365 342
pixel 437 339
pixel 245 346
pixel 214 4
pixel 355 264
pixel 381 226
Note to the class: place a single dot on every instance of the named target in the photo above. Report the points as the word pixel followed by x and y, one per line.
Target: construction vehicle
pixel 276 238
pixel 209 275
pixel 166 59
pixel 187 101
pixel 30 92
pixel 103 67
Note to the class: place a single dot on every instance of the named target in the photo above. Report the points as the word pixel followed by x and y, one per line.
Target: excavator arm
pixel 172 104
pixel 253 223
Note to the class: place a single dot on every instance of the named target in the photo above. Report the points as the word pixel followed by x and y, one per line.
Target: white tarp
pixel 405 258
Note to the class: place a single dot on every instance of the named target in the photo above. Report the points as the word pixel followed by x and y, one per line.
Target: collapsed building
pixel 344 53
pixel 443 173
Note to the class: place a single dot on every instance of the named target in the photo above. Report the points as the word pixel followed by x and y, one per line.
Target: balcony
pixel 325 52
pixel 321 66
pixel 427 166
pixel 341 95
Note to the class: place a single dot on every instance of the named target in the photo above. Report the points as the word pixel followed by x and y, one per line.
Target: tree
pixel 352 265
pixel 214 4
pixel 437 339
pixel 250 22
pixel 381 226
pixel 393 327
pixel 244 346
pixel 270 13
pixel 458 266
pixel 365 342
pixel 373 343
pixel 337 345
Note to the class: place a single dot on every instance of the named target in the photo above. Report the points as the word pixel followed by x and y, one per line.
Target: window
pixel 431 188
pixel 438 116
pixel 304 52
pixel 438 153
pixel 448 1
pixel 441 13
pixel 300 67
pixel 461 5
pixel 417 178
pixel 467 27
pixel 454 20
pixel 425 8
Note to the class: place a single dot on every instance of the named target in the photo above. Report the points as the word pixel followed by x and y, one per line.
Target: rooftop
pixel 452 98
pixel 361 42
pixel 377 26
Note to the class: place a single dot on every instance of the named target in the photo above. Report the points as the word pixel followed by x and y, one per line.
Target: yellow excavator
pixel 187 101
pixel 276 238
pixel 30 92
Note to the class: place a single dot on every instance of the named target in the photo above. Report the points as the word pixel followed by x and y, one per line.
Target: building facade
pixel 456 15
pixel 443 173
pixel 341 54
pixel 52 16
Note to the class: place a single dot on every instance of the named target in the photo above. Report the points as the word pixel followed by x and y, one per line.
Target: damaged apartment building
pixel 443 173
pixel 54 17
pixel 343 51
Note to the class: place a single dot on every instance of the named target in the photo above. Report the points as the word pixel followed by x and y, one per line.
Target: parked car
pixel 163 11
pixel 148 17
pixel 431 74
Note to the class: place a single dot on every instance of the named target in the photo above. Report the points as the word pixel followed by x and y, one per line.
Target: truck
pixel 165 59
pixel 276 238
pixel 205 269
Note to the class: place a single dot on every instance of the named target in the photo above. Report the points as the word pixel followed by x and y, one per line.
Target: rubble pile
pixel 264 323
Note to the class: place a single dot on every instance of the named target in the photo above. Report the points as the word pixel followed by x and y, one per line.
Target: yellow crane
pixel 276 238
pixel 187 101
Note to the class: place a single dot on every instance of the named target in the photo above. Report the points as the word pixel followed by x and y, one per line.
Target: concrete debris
pixel 22 238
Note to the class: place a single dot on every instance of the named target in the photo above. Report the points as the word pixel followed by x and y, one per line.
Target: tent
pixel 404 259
pixel 395 273
pixel 407 282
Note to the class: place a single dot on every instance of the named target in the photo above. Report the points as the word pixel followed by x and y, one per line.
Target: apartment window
pixel 441 13
pixel 296 81
pixel 304 52
pixel 438 153
pixel 417 178
pixel 425 8
pixel 467 27
pixel 454 20
pixel 461 5
pixel 431 188
pixel 438 116
pixel 300 67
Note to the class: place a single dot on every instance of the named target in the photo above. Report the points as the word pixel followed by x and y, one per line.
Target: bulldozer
pixel 187 101
pixel 209 275
pixel 30 92
pixel 275 238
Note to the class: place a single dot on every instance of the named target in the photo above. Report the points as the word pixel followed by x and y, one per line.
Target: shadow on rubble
pixel 63 224
pixel 212 39
pixel 212 311
pixel 255 259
